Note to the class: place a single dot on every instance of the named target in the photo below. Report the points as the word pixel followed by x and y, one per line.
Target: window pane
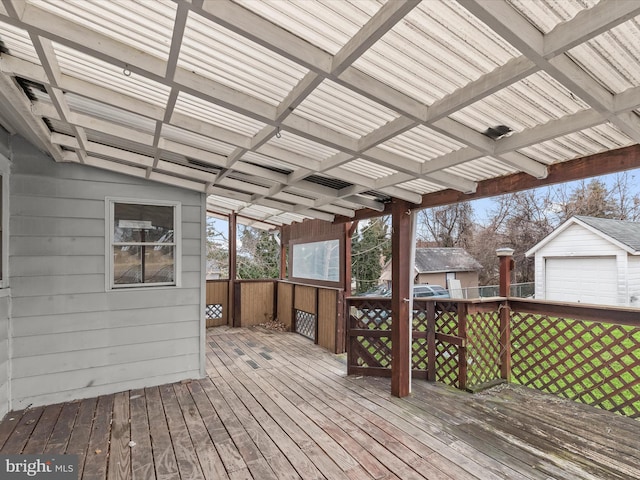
pixel 142 223
pixel 158 266
pixel 127 265
pixel 129 268
pixel 317 260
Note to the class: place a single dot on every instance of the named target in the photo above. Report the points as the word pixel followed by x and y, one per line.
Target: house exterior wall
pixel 467 279
pixel 5 308
pixel 578 242
pixel 5 388
pixel 71 336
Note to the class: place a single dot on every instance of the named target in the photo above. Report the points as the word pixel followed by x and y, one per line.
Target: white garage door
pixel 585 280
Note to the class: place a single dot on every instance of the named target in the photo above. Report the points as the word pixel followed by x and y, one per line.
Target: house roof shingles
pixel 445 260
pixel 622 231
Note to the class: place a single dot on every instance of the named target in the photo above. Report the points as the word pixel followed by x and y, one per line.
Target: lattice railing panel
pixel 483 348
pixel 447 364
pixel 213 311
pixel 419 354
pixel 370 350
pixel 447 318
pixel 306 324
pixel 591 362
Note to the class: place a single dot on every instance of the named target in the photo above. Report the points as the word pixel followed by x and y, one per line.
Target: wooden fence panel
pixel 285 304
pixel 327 313
pixel 305 298
pixel 257 300
pixel 217 300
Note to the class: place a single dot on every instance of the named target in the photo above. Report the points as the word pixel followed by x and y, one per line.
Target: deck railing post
pixel 506 266
pixel 462 352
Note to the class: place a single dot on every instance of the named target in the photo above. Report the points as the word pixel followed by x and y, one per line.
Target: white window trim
pixel 5 171
pixel 177 232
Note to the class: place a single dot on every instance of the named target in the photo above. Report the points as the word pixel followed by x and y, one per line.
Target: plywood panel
pixel 285 304
pixel 256 302
pixel 218 294
pixel 327 311
pixel 305 298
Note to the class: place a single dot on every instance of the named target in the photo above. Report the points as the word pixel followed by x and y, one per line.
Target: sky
pixel 482 208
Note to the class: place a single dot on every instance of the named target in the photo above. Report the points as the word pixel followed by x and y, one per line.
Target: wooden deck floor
pixel 276 406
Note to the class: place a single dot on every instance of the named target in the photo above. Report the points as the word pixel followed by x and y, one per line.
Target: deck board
pixel 275 406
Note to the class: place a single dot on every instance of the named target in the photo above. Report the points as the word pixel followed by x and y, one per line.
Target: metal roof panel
pixel 326 24
pixel 612 58
pixel 437 48
pixel 18 43
pixel 343 110
pixel 143 25
pixel 238 62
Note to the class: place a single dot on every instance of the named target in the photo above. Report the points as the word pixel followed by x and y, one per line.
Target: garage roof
pixel 624 233
pixel 286 110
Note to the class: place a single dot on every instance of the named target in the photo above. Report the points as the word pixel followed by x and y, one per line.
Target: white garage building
pixel 590 260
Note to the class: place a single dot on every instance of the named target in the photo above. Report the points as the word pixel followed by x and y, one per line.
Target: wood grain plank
pixel 250 452
pixel 119 450
pixel 95 467
pixel 43 430
pixel 210 461
pixel 8 425
pixel 142 467
pixel 183 447
pixel 229 454
pixel 79 440
pixel 61 434
pixel 164 458
pixel 20 434
pixel 265 419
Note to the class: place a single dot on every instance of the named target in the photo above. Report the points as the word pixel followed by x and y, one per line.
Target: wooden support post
pixel 400 275
pixel 431 341
pixel 350 228
pixel 233 317
pixel 283 256
pixel 462 349
pixel 506 266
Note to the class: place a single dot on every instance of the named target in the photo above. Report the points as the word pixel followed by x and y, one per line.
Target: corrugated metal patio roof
pixel 286 110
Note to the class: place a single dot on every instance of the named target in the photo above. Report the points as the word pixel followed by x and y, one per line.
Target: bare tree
pixel 447 226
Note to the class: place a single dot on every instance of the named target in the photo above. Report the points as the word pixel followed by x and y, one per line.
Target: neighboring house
pixel 590 260
pixel 436 266
pixel 85 308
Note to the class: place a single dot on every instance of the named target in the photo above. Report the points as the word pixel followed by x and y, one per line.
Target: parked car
pixel 421 291
pixel 379 291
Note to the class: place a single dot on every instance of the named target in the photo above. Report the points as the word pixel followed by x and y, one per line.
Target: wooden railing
pixel 585 353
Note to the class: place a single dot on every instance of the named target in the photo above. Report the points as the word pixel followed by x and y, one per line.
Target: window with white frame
pixel 144 243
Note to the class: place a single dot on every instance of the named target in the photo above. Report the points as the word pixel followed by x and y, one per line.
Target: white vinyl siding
pixel 71 338
pixel 633 279
pixel 5 300
pixel 4 355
